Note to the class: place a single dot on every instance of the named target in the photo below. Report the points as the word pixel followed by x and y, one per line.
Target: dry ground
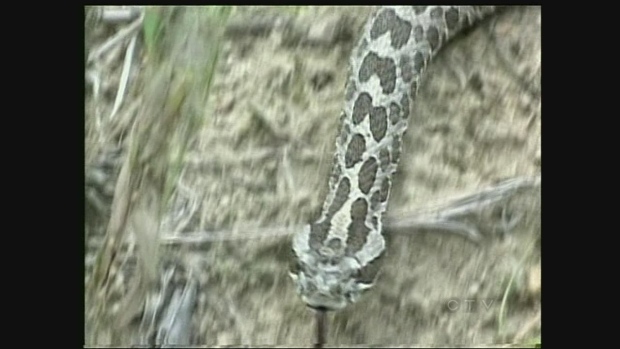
pixel 261 158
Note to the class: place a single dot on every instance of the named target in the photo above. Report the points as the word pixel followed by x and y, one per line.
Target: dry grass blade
pixel 173 94
pixel 137 204
pixel 98 289
pixel 115 40
pixel 120 94
pixel 501 315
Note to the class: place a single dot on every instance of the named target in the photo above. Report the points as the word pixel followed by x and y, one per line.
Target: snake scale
pixel 337 256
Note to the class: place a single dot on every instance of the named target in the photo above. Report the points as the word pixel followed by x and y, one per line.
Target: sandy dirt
pixel 261 159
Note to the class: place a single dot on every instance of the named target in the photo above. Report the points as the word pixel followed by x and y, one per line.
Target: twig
pixel 442 218
pixel 487 197
pixel 445 217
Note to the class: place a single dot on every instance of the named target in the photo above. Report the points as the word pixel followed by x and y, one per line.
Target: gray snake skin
pixel 337 257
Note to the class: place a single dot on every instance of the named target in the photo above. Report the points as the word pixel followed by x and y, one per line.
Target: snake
pixel 337 257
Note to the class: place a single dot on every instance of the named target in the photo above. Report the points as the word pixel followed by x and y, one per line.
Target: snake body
pixel 337 256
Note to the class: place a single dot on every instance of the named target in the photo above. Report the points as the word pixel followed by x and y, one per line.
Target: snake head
pixel 326 278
